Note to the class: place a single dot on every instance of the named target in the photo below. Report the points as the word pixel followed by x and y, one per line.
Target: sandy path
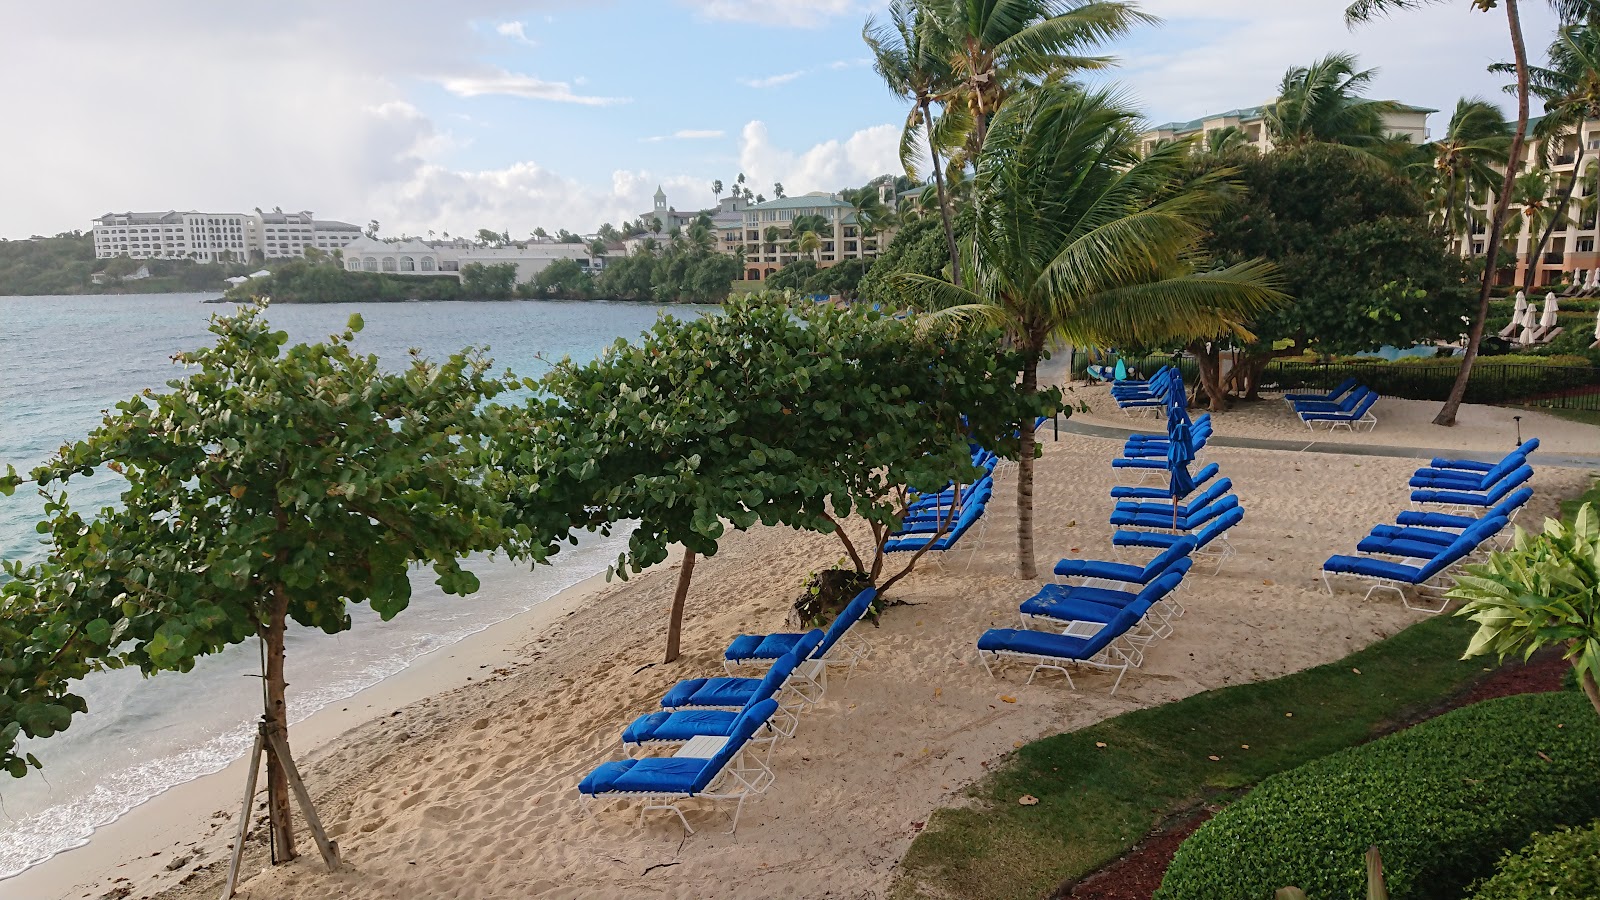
pixel 471 794
pixel 1401 423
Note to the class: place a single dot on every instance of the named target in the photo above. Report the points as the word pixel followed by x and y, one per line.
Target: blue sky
pixel 508 115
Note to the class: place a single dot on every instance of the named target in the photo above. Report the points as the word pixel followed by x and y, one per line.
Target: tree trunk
pixel 277 721
pixel 1559 215
pixel 1458 392
pixel 1026 567
pixel 1590 689
pixel 944 199
pixel 675 621
pixel 1210 376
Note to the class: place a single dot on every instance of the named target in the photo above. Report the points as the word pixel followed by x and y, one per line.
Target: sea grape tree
pixel 770 411
pixel 269 484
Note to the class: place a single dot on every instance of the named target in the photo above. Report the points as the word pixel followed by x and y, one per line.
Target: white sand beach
pixel 471 793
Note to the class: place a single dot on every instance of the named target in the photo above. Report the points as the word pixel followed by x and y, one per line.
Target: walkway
pixel 1571 461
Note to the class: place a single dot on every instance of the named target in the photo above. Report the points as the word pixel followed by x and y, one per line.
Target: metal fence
pixel 1502 384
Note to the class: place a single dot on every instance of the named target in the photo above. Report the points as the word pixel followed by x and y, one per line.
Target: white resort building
pixel 209 237
pixel 765 237
pixel 415 257
pixel 1410 122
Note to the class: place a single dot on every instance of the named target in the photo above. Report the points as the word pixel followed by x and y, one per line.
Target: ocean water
pixel 65 359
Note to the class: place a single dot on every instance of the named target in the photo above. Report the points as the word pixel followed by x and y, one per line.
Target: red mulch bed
pixel 1137 874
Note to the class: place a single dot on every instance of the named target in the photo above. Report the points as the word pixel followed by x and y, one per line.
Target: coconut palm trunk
pixel 1027 566
pixel 944 196
pixel 1497 223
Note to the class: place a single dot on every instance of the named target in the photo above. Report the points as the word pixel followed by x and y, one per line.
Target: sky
pixel 515 115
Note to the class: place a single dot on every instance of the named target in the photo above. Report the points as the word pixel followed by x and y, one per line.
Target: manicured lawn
pixel 1586 416
pixel 1103 788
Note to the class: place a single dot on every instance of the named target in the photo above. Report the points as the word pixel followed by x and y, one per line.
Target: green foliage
pixel 63 265
pixel 806 277
pixel 565 280
pixel 1439 800
pixel 1501 379
pixel 764 413
pixel 1103 788
pixel 490 282
pixel 1544 592
pixel 918 248
pixel 1354 245
pixel 269 482
pixel 1561 865
pixel 795 276
pixel 303 282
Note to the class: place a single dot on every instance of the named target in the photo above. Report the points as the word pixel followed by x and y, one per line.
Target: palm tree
pixel 1322 103
pixel 911 59
pixel 998 46
pixel 1475 141
pixel 716 189
pixel 1224 142
pixel 597 248
pixel 1569 11
pixel 1532 200
pixel 809 242
pixel 1079 239
pixel 1570 89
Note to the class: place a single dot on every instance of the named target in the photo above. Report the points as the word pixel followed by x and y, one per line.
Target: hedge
pixel 1494 380
pixel 1562 865
pixel 1441 801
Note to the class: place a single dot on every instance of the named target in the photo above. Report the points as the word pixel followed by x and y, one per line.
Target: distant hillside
pixel 63 264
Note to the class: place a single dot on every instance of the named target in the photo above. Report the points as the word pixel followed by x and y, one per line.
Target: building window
pixel 388 264
pixel 353 265
pixel 370 264
pixel 427 264
pixel 407 264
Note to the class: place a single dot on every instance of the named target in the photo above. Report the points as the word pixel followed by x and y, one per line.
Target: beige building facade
pixel 764 235
pixel 1410 122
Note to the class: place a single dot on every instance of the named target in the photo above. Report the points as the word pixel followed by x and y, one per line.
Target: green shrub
pixel 1562 865
pixel 1441 801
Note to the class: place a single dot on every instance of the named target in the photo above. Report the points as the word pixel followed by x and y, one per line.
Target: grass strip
pixel 1103 788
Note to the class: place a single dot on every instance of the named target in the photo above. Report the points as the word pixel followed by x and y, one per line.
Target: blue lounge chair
pixel 1509 507
pixel 936 543
pixel 1211 539
pixel 1187 524
pixel 1473 465
pixel 1484 499
pixel 658 729
pixel 1101 571
pixel 1338 393
pixel 1046 650
pixel 1123 492
pixel 1213 492
pixel 725 692
pixel 1081 612
pixel 734 773
pixel 1426 577
pixel 1454 479
pixel 748 649
pixel 1360 414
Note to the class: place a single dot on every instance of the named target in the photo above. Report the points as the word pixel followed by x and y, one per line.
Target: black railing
pixel 1554 259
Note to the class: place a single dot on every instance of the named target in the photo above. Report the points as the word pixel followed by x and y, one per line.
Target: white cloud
pixel 686 134
pixel 516 31
pixel 1213 55
pixel 512 84
pixel 827 166
pixel 773 80
pixel 787 13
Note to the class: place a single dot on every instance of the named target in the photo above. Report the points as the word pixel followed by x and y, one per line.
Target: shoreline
pixel 139 844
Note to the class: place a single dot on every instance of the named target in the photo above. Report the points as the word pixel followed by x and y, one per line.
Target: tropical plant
pixel 1464 160
pixel 909 55
pixel 1322 103
pixel 999 46
pixel 1532 200
pixel 797 415
pixel 808 242
pixel 1079 239
pixel 716 189
pixel 1569 10
pixel 269 484
pixel 1544 592
pixel 1223 143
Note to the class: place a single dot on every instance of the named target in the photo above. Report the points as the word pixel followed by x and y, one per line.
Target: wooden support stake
pixel 330 849
pixel 244 817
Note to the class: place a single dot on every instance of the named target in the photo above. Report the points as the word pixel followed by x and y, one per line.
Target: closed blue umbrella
pixel 1180 452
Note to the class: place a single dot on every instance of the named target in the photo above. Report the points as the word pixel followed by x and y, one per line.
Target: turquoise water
pixel 65 359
